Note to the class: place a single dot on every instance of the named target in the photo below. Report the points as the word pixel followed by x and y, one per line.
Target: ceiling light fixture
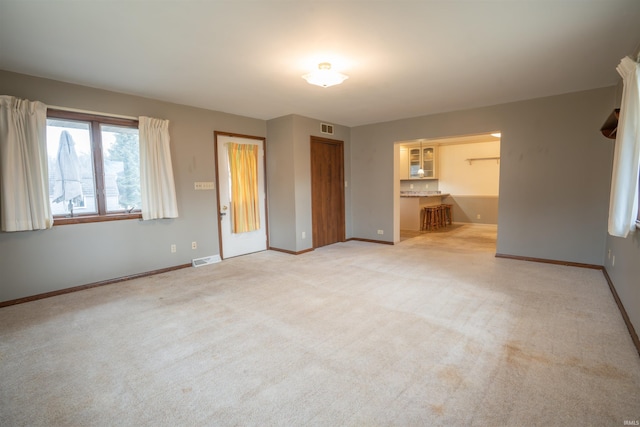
pixel 324 76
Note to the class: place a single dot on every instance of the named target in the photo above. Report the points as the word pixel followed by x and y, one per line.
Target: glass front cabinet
pixel 422 162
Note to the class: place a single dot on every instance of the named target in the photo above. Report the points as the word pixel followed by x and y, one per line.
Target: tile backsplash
pixel 419 185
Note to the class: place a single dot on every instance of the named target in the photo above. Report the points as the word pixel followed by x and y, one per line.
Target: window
pixel 94 167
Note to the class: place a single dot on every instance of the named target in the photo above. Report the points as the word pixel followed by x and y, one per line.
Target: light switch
pixel 206 185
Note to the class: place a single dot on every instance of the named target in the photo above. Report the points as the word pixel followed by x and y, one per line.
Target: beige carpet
pixel 432 331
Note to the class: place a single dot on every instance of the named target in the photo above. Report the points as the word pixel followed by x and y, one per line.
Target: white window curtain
pixel 623 204
pixel 157 187
pixel 24 181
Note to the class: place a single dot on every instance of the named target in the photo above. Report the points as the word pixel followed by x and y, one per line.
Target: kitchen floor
pixel 410 234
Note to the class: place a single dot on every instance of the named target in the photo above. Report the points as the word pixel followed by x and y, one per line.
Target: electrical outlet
pixel 380 231
pixel 304 234
pixel 426 186
pixel 194 245
pixel 411 186
pixel 173 249
pixel 478 216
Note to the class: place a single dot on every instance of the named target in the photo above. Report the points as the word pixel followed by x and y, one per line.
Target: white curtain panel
pixel 24 181
pixel 623 205
pixel 156 174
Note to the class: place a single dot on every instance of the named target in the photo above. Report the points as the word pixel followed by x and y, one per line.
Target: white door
pixel 234 244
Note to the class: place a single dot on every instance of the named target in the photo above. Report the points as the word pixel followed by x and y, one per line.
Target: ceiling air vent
pixel 326 128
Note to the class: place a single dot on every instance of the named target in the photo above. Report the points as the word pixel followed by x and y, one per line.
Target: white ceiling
pixel 403 58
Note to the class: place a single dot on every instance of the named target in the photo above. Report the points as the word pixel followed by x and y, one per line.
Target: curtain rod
pixel 97 113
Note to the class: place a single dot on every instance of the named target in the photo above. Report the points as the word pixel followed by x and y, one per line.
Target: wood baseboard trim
pixel 550 261
pixel 382 242
pixel 286 251
pixel 89 286
pixel 625 316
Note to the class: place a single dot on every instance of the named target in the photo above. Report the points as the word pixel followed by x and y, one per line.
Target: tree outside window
pixel 94 167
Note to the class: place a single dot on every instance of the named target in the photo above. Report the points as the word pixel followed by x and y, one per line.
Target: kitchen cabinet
pixel 425 158
pixel 404 162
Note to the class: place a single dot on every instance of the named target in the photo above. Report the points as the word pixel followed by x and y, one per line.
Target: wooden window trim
pixel 96 140
pixel 83 219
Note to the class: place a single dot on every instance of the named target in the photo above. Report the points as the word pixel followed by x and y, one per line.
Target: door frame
pixel 343 224
pixel 217 180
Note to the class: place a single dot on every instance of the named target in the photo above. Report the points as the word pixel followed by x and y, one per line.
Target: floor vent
pixel 199 262
pixel 326 128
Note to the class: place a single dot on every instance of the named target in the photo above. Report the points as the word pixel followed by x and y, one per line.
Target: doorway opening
pixel 463 172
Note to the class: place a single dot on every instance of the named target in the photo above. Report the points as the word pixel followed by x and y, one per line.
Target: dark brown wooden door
pixel 327 191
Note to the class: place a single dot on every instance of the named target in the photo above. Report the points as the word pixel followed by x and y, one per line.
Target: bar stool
pixel 431 218
pixel 424 220
pixel 447 217
pixel 440 216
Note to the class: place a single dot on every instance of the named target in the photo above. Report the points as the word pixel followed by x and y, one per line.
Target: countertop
pixel 422 194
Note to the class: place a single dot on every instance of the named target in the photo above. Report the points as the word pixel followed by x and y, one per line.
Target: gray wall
pixel 625 274
pixel 36 262
pixel 289 180
pixel 555 171
pixel 467 208
pixel 281 184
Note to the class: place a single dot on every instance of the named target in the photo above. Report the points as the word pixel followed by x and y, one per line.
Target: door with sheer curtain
pixel 242 216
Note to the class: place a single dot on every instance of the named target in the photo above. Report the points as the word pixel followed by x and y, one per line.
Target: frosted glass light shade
pixel 324 76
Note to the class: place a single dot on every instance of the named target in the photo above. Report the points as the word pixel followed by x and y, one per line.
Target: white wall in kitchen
pixel 458 177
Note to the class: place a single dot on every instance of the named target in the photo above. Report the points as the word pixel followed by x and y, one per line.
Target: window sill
pixel 82 219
